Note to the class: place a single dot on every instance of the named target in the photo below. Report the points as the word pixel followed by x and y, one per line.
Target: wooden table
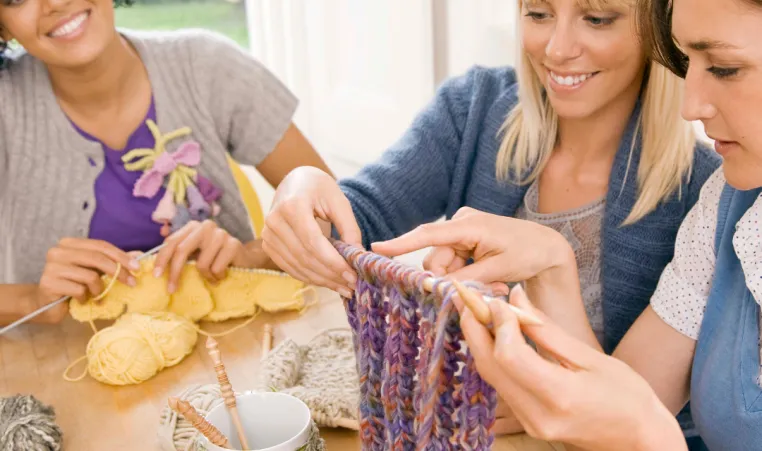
pixel 97 417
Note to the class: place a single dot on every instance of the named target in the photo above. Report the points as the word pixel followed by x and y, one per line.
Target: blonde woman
pixel 584 136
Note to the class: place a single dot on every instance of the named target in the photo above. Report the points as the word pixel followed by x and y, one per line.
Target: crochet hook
pixel 64 298
pixel 477 303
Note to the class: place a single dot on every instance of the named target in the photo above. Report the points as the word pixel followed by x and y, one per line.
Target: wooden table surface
pixel 96 417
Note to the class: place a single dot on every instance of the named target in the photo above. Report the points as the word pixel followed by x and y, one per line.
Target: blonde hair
pixel 531 131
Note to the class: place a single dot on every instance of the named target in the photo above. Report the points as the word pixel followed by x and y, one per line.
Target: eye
pixel 537 15
pixel 12 2
pixel 599 21
pixel 723 72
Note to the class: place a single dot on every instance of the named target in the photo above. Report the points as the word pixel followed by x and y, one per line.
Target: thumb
pixel 339 212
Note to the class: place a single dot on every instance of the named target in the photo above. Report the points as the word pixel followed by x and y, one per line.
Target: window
pixel 224 16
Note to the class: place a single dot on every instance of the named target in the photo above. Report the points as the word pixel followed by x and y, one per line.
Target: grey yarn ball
pixel 26 424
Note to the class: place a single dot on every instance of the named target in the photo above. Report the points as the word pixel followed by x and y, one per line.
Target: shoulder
pixel 483 84
pixel 202 49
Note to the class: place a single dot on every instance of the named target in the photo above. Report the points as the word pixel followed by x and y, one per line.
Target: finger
pixel 58 285
pixel 520 363
pixel 164 256
pixel 489 270
pixel 231 247
pixel 499 289
pixel 286 260
pixel 112 252
pixel 314 253
pixel 481 344
pixel 439 260
pixel 89 259
pixel 339 212
pixel 191 243
pixel 210 248
pixel 507 426
pixel 456 233
pixel 552 339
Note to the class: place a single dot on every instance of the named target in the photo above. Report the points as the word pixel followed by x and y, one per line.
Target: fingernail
pixel 349 277
pixel 131 281
pixel 134 264
pixel 171 287
pixel 157 272
pixel 345 292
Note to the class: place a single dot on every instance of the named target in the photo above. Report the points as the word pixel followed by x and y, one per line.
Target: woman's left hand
pixel 216 250
pixel 590 400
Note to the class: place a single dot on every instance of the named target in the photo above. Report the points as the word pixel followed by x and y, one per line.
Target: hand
pixel 74 268
pixel 216 250
pixel 506 422
pixel 504 249
pixel 590 400
pixel 293 236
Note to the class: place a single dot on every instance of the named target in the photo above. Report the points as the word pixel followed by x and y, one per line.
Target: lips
pixel 70 26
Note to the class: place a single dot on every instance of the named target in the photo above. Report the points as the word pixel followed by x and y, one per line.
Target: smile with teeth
pixel 570 80
pixel 70 26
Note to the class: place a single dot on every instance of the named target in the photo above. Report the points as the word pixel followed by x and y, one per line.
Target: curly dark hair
pixel 4 45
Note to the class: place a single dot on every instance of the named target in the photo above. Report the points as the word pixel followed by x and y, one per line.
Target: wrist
pixel 561 266
pixel 658 429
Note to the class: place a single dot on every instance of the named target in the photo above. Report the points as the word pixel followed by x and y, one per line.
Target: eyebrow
pixel 704 45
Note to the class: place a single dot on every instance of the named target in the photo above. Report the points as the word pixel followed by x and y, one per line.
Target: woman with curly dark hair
pixel 114 141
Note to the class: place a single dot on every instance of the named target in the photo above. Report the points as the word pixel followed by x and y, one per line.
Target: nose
pixel 53 6
pixel 697 105
pixel 563 44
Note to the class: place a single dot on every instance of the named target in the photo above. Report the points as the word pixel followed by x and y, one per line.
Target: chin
pixel 573 109
pixel 738 175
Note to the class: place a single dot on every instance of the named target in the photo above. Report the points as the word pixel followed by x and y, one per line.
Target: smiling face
pixel 723 88
pixel 587 56
pixel 61 33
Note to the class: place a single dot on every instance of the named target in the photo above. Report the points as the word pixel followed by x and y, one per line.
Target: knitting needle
pixel 267 340
pixel 226 389
pixel 477 303
pixel 64 298
pixel 200 423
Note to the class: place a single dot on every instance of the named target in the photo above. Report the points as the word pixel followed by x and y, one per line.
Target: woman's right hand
pixel 74 268
pixel 589 400
pixel 305 205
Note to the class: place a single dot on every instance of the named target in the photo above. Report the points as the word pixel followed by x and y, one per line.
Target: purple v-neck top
pixel 119 217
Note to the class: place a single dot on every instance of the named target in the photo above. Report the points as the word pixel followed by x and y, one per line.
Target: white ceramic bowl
pixel 272 422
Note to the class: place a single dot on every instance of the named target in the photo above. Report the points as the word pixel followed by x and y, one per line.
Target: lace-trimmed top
pixel 582 229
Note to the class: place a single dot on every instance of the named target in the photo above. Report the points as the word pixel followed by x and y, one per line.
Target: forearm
pixel 16 301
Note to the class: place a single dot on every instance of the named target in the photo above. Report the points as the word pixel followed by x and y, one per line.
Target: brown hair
pixel 654 22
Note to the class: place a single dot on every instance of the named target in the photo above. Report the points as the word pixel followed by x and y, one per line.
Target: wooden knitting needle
pixel 63 299
pixel 209 431
pixel 267 340
pixel 226 389
pixel 477 303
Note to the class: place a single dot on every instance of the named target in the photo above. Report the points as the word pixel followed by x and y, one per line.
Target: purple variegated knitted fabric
pixel 418 389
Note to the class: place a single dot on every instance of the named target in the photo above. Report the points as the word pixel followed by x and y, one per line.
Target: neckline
pixel 67 129
pixel 531 199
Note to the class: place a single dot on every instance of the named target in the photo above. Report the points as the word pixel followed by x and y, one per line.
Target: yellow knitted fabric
pixel 240 294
